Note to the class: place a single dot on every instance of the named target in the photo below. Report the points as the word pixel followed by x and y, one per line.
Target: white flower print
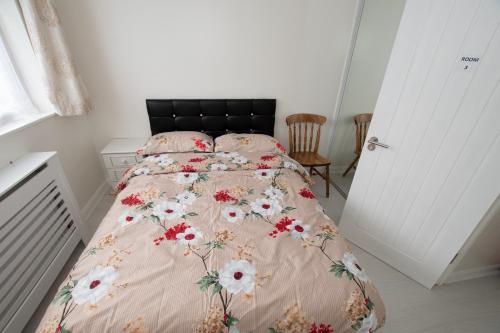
pixel 94 286
pixel 162 160
pixel 263 174
pixel 218 167
pixel 352 265
pixel 233 213
pixel 265 207
pixel 369 324
pixel 152 158
pixel 274 193
pixel 227 154
pixel 165 162
pixel 142 171
pixel 237 275
pixel 186 198
pixel 290 165
pixel 298 229
pixel 129 217
pixel 190 236
pixel 168 210
pixel 239 160
pixel 186 177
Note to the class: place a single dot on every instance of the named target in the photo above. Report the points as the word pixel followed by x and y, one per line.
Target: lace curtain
pixel 64 85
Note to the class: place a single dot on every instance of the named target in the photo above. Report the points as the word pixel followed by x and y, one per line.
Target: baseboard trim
pixel 94 200
pixel 340 190
pixel 473 273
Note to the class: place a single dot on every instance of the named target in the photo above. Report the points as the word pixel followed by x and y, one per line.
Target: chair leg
pixel 327 180
pixel 351 166
pixel 311 171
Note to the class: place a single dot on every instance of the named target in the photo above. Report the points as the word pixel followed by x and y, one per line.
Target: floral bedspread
pixel 216 242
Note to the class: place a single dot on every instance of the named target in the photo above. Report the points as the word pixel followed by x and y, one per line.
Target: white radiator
pixel 39 229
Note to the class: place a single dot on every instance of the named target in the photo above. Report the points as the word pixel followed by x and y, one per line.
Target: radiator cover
pixel 40 226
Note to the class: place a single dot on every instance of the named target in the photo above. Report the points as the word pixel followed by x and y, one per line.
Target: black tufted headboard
pixel 214 117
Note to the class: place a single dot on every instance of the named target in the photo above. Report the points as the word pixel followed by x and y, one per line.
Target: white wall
pixel 127 51
pixel 481 253
pixel 485 251
pixel 71 137
pixel 377 30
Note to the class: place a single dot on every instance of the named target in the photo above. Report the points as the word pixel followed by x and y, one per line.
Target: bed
pixel 189 247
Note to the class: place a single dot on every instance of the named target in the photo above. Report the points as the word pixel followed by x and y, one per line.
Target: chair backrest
pixel 362 123
pixel 303 130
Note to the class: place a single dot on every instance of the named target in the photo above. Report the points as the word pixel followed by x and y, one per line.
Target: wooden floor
pixel 464 307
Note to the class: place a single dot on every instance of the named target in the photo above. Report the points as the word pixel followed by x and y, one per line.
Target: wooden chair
pixel 362 122
pixel 304 131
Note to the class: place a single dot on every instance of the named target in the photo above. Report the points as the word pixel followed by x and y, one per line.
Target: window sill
pixel 19 126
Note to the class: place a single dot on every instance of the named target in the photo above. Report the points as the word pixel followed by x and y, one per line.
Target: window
pixel 16 107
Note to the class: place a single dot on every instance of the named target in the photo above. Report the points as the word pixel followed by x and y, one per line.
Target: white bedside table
pixel 119 155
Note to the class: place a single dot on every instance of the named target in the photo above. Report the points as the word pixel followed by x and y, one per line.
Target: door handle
pixel 373 143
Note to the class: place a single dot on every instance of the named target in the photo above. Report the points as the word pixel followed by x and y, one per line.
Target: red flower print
pixel 197 160
pixel 322 328
pixel 58 329
pixel 263 166
pixel 188 168
pixel 267 157
pixel 306 193
pixel 171 233
pixel 132 200
pixel 280 147
pixel 200 144
pixel 224 196
pixel 120 186
pixel 281 226
pixel 158 240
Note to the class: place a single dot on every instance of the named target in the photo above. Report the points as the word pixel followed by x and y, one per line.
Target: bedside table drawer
pixel 117 161
pixel 119 155
pixel 116 174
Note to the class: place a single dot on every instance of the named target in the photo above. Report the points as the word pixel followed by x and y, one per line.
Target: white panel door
pixel 414 204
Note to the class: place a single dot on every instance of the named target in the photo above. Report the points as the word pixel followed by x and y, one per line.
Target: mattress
pixel 216 242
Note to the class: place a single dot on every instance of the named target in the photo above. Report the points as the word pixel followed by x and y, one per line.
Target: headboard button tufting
pixel 216 116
